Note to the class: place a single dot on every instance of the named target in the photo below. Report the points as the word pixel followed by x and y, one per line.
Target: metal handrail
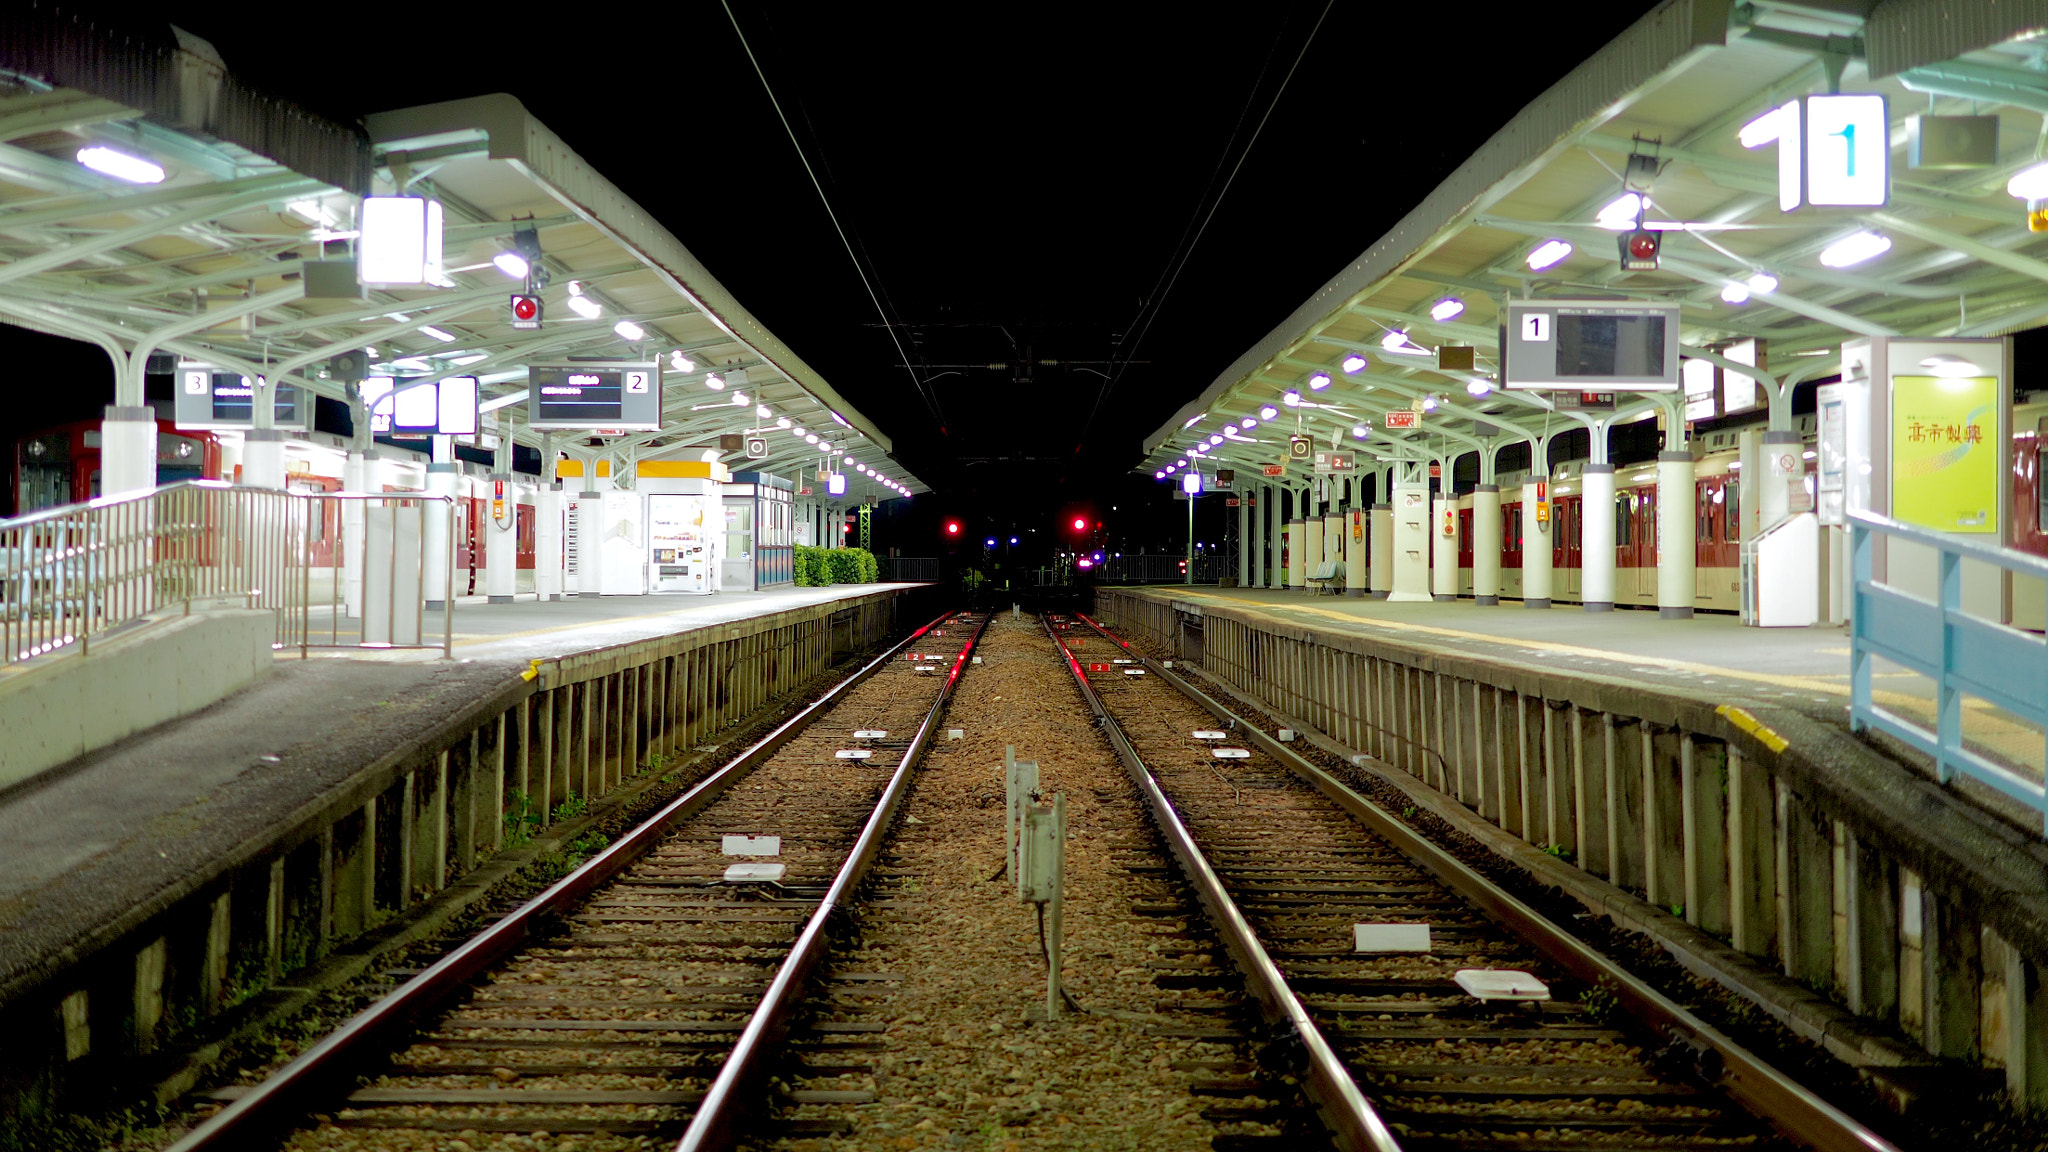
pixel 1962 653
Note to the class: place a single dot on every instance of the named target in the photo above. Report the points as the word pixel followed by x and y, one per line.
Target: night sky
pixel 1020 183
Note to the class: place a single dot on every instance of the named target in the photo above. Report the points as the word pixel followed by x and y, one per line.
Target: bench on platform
pixel 1320 578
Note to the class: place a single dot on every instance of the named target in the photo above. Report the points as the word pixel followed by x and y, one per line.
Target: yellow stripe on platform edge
pixel 1741 718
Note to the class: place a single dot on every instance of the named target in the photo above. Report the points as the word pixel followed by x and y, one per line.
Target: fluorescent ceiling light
pixel 1159 475
pixel 1855 248
pixel 1215 439
pixel 584 306
pixel 1621 213
pixel 1762 283
pixel 628 330
pixel 120 165
pixel 810 437
pixel 782 423
pixel 1360 430
pixel 849 460
pixel 1478 387
pixel 1353 363
pixel 714 381
pixel 440 334
pixel 680 362
pixel 512 264
pixel 763 412
pixel 1735 293
pixel 2029 183
pixel 1549 254
pixel 1429 403
pixel 1319 381
pixel 1248 422
pixel 1268 412
pixel 1397 342
pixel 472 358
pixel 739 400
pixel 1765 128
pixel 1292 399
pixel 1448 308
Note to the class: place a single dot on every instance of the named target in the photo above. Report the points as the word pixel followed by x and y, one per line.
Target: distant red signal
pixel 1080 524
pixel 952 527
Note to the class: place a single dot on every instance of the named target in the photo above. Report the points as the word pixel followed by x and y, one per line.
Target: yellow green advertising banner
pixel 1945 452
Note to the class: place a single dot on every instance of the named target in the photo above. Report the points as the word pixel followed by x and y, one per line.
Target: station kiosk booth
pixel 760 533
pixel 664 535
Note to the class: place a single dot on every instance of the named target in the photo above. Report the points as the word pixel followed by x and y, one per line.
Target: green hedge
pixel 817 567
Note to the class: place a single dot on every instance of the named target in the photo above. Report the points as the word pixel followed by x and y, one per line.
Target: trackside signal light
pixel 525 310
pixel 1080 524
pixel 952 527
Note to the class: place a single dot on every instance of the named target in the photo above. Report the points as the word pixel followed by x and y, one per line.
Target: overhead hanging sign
pixel 1334 461
pixel 211 397
pixel 610 394
pixel 400 407
pixel 1834 150
pixel 1400 419
pixel 1592 345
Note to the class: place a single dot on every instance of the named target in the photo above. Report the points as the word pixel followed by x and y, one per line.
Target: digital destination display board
pixel 624 394
pixel 209 397
pixel 1591 345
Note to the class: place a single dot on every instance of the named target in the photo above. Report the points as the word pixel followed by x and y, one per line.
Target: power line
pixel 1155 304
pixel 930 398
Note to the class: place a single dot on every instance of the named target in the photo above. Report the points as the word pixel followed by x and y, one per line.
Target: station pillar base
pixel 127 450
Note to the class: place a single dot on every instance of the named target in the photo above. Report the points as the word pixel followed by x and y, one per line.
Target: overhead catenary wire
pixel 930 398
pixel 1157 301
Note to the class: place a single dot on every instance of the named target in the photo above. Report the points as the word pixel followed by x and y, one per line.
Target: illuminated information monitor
pixel 623 394
pixel 209 397
pixel 1591 345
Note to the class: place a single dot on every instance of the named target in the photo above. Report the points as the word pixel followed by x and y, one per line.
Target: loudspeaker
pixel 349 367
pixel 1949 143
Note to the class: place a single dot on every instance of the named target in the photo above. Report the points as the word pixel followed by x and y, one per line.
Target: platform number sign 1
pixel 1834 150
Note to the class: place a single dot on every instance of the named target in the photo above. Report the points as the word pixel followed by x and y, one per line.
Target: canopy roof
pixel 1677 87
pixel 206 261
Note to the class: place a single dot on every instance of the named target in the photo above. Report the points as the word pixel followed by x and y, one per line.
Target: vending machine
pixel 682 535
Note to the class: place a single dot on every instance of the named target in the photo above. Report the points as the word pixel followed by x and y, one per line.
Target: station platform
pixel 1710 656
pixel 84 844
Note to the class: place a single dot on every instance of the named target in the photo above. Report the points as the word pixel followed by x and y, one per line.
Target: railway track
pixel 1390 1049
pixel 651 993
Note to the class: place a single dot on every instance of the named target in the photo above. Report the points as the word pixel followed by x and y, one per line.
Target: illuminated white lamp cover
pixel 810 437
pixel 1319 381
pixel 1855 248
pixel 1191 483
pixel 418 407
pixel 120 165
pixel 1761 283
pixel 627 330
pixel 1621 213
pixel 1268 412
pixel 512 264
pixel 1159 475
pixel 394 245
pixel 1292 399
pixel 763 412
pixel 1448 308
pixel 458 400
pixel 1215 439
pixel 1360 431
pixel 1549 254
pixel 835 485
pixel 1735 293
pixel 782 422
pixel 680 362
pixel 714 381
pixel 1397 341
pixel 584 306
pixel 2029 183
pixel 1352 363
pixel 1478 387
pixel 1248 422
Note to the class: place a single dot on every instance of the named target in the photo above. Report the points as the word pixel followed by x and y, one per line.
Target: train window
pixel 1732 511
pixel 1622 520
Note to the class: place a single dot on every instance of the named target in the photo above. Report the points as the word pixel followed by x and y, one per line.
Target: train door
pixel 1511 549
pixel 1646 545
pixel 1565 555
pixel 1465 551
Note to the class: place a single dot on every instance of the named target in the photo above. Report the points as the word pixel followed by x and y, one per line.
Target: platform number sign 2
pixel 636 381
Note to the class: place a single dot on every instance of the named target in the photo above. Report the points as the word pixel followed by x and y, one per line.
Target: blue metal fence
pixel 1962 653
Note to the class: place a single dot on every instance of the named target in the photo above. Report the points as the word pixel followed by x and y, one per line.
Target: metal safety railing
pixel 73 574
pixel 1963 653
pixel 1157 568
pixel 909 569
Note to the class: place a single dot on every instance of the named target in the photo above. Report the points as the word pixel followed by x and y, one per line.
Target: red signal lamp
pixel 1639 250
pixel 1080 524
pixel 952 527
pixel 525 310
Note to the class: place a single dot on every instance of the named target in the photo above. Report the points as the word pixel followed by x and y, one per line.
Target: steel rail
pixel 1743 1076
pixel 716 1124
pixel 286 1096
pixel 1345 1111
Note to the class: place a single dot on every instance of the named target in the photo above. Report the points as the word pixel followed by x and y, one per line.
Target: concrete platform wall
pixel 400 830
pixel 58 708
pixel 1865 907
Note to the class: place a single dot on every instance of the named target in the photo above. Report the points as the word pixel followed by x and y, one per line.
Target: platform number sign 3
pixel 197 382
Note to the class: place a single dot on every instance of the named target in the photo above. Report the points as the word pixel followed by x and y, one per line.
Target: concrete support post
pixel 500 538
pixel 1590 790
pixel 263 459
pixel 547 543
pixel 1297 535
pixel 1676 558
pixel 1410 542
pixel 127 450
pixel 1627 748
pixel 1807 850
pixel 1486 526
pixel 1752 858
pixel 1664 817
pixel 1312 550
pixel 1951 944
pixel 1873 933
pixel 1244 546
pixel 1381 536
pixel 1357 555
pixel 1596 541
pixel 589 540
pixel 355 477
pixel 435 551
pixel 1443 547
pixel 1705 771
pixel 1536 558
pixel 2026 1031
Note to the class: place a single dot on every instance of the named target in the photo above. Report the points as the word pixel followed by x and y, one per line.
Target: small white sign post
pixel 1044 878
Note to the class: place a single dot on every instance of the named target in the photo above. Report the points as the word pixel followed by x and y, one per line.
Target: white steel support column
pixel 1244 545
pixel 1486 538
pixel 501 540
pixel 435 554
pixel 1411 540
pixel 589 539
pixel 355 477
pixel 1311 532
pixel 1596 541
pixel 1276 538
pixel 1357 553
pixel 1676 559
pixel 1380 535
pixel 548 533
pixel 1536 559
pixel 1443 544
pixel 263 459
pixel 127 449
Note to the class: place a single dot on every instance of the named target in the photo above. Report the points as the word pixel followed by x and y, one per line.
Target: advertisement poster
pixel 1945 452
